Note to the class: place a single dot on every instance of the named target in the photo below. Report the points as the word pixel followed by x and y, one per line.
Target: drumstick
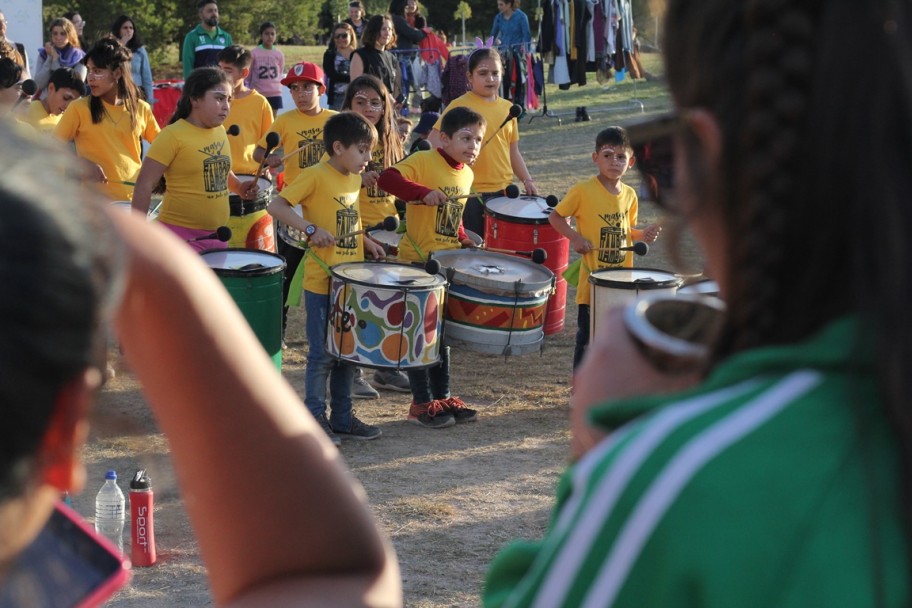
pixel 638 247
pixel 390 223
pixel 515 110
pixel 538 255
pixel 295 151
pixel 511 191
pixel 272 140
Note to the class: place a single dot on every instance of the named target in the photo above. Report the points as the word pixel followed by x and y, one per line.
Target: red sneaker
pixel 431 415
pixel 460 411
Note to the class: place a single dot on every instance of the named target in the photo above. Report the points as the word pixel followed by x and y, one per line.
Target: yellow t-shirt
pixel 196 176
pixel 295 128
pixel 39 118
pixel 433 228
pixel 112 143
pixel 492 168
pixel 605 220
pixel 253 116
pixel 374 202
pixel 329 200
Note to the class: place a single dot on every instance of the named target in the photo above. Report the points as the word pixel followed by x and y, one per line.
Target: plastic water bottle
pixel 109 511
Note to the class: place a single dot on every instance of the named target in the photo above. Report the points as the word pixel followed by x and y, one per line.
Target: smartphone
pixel 67 565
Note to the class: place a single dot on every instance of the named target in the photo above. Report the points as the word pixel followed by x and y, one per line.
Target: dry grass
pixel 448 499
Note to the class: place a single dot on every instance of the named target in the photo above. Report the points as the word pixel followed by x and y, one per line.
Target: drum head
pixel 263 183
pixel 522 210
pixel 398 276
pixel 634 278
pixel 242 262
pixel 494 271
pixel 705 287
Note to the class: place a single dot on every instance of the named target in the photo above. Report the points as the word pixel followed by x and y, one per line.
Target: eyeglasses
pixel 653 148
pixel 341 36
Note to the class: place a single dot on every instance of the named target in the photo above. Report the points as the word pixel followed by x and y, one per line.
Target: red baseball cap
pixel 305 72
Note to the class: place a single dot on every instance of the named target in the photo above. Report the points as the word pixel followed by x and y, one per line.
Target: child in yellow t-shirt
pixel 108 125
pixel 251 113
pixel 500 159
pixel 191 154
pixel 300 129
pixel 605 211
pixel 64 87
pixel 437 178
pixel 328 195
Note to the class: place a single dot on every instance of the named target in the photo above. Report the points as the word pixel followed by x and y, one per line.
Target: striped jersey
pixel 774 483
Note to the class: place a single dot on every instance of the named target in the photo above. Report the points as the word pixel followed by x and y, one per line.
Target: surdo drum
pixel 612 287
pixel 522 224
pixel 496 304
pixel 385 315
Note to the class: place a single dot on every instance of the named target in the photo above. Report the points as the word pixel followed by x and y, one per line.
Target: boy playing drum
pixel 328 194
pixel 440 180
pixel 606 213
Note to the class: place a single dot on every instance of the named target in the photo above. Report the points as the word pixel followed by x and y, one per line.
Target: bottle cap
pixel 111 475
pixel 141 481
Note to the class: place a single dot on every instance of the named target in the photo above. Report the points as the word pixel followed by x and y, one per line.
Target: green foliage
pixel 463 11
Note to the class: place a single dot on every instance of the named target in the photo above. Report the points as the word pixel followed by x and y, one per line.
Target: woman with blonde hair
pixel 62 51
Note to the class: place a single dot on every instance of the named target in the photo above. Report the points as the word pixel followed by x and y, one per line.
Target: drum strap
pixel 416 248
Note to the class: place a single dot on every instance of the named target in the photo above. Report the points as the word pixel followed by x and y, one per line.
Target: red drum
pixel 522 224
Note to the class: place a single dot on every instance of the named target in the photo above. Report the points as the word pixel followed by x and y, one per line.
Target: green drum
pixel 254 280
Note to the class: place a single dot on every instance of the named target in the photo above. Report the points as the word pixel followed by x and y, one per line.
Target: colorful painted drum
pixel 387 316
pixel 128 206
pixel 618 286
pixel 522 224
pixel 496 303
pixel 251 225
pixel 254 280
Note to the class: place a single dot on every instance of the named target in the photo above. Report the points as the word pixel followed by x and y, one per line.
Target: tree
pixel 463 12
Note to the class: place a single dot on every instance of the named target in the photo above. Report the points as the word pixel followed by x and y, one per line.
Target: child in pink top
pixel 268 67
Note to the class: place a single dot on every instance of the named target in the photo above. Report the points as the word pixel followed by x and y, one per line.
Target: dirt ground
pixel 449 499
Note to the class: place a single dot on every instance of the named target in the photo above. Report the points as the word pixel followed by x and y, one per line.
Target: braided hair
pixel 806 158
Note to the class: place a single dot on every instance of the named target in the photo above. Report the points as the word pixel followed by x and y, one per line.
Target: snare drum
pixel 291 235
pixel 385 315
pixel 250 223
pixel 522 224
pixel 390 240
pixel 702 287
pixel 617 286
pixel 254 280
pixel 496 303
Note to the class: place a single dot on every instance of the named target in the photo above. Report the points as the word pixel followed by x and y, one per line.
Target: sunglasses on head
pixel 653 147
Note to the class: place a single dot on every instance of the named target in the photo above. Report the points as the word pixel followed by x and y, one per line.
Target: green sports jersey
pixel 755 489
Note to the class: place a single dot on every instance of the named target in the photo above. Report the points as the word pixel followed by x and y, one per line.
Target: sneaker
pixel 431 415
pixel 324 424
pixel 361 389
pixel 461 412
pixel 392 380
pixel 359 430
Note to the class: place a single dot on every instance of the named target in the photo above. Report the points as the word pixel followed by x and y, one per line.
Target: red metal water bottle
pixel 142 552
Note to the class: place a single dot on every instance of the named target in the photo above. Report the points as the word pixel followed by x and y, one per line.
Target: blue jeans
pixel 432 383
pixel 582 334
pixel 320 365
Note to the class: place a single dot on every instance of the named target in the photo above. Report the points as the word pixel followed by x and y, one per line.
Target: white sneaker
pixel 392 380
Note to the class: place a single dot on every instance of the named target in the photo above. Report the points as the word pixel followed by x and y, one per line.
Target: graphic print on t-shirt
pixel 613 237
pixel 346 221
pixel 448 214
pixel 311 147
pixel 215 167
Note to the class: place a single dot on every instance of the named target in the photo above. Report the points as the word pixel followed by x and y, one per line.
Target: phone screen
pixel 66 565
